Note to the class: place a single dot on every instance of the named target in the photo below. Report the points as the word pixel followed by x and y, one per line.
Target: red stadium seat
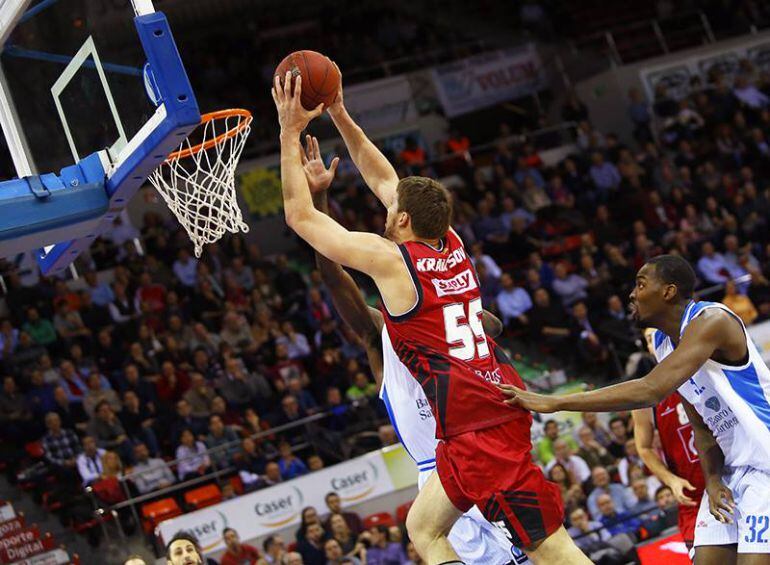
pixel 379 519
pixel 237 484
pixel 202 497
pixel 402 511
pixel 155 512
pixel 35 449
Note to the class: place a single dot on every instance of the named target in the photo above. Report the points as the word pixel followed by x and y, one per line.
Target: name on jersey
pixel 459 284
pixel 423 409
pixel 441 265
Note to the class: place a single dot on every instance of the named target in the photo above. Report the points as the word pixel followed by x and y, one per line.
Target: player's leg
pixel 754 559
pixel 716 554
pixel 751 492
pixel 556 549
pixel 430 519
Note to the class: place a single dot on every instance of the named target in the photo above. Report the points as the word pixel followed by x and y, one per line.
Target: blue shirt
pixel 391 554
pixel 293 469
pixel 714 268
pixel 620 496
pixel 606 176
pixel 570 289
pixel 513 303
pixel 522 174
pixel 187 273
pixel 101 294
pixel 621 523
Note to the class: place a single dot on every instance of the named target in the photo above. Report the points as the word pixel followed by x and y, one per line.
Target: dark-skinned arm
pixel 707 333
pixel 712 462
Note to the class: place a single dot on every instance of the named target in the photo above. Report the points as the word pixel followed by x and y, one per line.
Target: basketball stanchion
pixel 197 181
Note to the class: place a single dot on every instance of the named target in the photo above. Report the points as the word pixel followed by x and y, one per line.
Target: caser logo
pixel 458 284
pixel 357 484
pixel 281 507
pixel 209 529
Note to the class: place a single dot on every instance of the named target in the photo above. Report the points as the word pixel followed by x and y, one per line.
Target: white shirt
pixel 575 465
pixel 90 468
pixel 734 401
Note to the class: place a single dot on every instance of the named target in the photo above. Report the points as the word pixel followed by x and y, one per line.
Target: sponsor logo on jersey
pixel 713 403
pixel 441 264
pixel 459 284
pixel 722 421
pixel 423 409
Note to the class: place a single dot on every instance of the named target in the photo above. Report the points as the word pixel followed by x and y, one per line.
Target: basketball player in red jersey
pixel 432 310
pixel 682 470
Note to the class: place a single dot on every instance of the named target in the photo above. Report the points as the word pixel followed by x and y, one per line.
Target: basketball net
pixel 197 181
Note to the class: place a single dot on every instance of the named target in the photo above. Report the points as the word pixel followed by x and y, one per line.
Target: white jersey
pixel 474 539
pixel 734 401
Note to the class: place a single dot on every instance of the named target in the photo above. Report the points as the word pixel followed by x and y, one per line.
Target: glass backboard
pixel 73 72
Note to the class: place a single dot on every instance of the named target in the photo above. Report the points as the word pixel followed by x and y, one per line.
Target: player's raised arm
pixel 644 432
pixel 366 322
pixel 704 335
pixel 361 251
pixel 377 171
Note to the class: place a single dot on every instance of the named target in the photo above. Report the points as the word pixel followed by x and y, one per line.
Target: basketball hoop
pixel 197 181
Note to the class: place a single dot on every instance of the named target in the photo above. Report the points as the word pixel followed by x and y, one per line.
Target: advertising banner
pixel 263 511
pixel 488 79
pixel 676 72
pixel 381 104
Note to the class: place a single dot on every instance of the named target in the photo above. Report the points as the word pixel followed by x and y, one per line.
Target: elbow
pixel 295 218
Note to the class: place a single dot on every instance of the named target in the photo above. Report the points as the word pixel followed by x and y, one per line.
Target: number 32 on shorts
pixel 758 526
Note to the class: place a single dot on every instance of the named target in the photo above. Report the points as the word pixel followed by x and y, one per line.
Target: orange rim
pixel 243 123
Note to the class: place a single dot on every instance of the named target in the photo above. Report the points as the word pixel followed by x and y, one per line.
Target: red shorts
pixel 687 517
pixel 492 468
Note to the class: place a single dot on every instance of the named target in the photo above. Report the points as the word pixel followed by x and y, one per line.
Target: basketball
pixel 320 77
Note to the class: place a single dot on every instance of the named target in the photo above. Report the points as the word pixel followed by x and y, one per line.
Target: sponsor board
pixel 676 72
pixel 488 78
pixel 264 511
pixel 381 104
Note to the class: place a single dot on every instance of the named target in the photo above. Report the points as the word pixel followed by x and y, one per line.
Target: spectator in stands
pixel 382 551
pixel 40 329
pixel 564 455
pixel 631 459
pixel 545 447
pixel 185 420
pixel 297 345
pixel 289 464
pixel 618 437
pixel 149 474
pixel 40 395
pixel 513 303
pixel 362 388
pixel 237 553
pixel 191 456
pixel 570 288
pixel 622 499
pixel 592 538
pixel 591 451
pixel 251 465
pixel 353 520
pixel 335 554
pixel 290 412
pixel 713 266
pixel 315 463
pixel 238 386
pixel 604 175
pixel 311 547
pixel 591 351
pixel 89 462
pixel 61 447
pixel 273 549
pixel 199 396
pixel 616 522
pixel 272 474
pixel 548 324
pixel 571 492
pixel 72 415
pixel 340 532
pixel 109 433
pixel 740 304
pixel 97 394
pixel 138 420
pixel 644 502
pixel 185 269
pixel 223 441
pixel 72 382
pixel 639 112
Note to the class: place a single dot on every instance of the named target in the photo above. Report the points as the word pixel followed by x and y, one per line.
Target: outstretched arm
pixel 707 333
pixel 365 252
pixel 644 432
pixel 377 171
pixel 366 322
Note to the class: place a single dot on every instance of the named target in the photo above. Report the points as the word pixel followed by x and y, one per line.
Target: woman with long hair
pixel 340 531
pixel 571 491
pixel 309 516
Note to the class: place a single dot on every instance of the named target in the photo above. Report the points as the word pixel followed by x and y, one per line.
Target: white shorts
pixel 477 542
pixel 751 523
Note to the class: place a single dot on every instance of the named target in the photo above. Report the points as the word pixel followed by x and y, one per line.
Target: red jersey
pixel 678 441
pixel 442 342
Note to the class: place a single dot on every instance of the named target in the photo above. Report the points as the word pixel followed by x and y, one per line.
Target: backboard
pixel 80 78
